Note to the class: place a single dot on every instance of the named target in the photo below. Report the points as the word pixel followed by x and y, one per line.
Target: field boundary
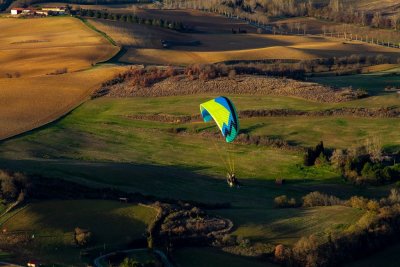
pixel 105 35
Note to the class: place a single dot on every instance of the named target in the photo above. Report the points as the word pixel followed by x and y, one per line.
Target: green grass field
pixel 99 145
pixel 264 225
pixel 52 224
pixel 373 83
pixel 204 257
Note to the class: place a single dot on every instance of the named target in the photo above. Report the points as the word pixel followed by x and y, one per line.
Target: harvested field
pixel 32 47
pixel 31 50
pixel 199 21
pixel 314 47
pixel 143 43
pixel 136 35
pixel 371 5
pixel 196 20
pixel 32 102
pixel 314 26
pixel 144 36
pixel 245 84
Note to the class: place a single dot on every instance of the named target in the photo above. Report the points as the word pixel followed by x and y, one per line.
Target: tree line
pixel 365 26
pixel 379 227
pixel 26 3
pixel 261 11
pixel 360 165
pixel 129 18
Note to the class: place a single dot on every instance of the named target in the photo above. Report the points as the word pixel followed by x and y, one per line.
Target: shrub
pixel 309 157
pixel 59 71
pixel 321 160
pixel 229 240
pixel 312 154
pixel 12 185
pixel 279 253
pixel 82 237
pixel 316 198
pixel 284 202
pixel 358 202
pixel 338 159
pixel 394 196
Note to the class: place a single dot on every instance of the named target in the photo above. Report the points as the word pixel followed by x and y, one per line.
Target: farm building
pixel 54 10
pixel 45 11
pixel 17 11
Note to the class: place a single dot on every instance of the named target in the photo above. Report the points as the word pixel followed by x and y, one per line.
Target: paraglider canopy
pixel 224 114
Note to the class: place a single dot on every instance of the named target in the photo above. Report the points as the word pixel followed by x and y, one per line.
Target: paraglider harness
pixel 232 180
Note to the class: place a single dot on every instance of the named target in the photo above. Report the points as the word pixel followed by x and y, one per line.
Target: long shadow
pixel 182 183
pixel 116 59
pixel 173 182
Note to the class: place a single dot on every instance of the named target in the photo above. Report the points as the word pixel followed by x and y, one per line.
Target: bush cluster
pixel 82 237
pixel 13 186
pixel 316 155
pixel 284 202
pixel 366 165
pixel 315 199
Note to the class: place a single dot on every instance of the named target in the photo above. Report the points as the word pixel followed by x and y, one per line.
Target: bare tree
pixel 290 26
pixel 298 27
pixel 304 27
pixel 374 149
pixel 324 29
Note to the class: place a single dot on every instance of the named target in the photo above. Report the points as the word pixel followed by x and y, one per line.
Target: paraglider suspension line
pixel 227 165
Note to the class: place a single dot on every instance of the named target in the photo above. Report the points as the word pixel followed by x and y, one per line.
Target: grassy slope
pixel 175 165
pixel 143 156
pixel 204 257
pixel 286 226
pixel 374 83
pixel 99 130
pixel 52 223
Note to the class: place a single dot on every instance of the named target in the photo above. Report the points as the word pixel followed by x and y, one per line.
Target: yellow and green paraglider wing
pixel 224 114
